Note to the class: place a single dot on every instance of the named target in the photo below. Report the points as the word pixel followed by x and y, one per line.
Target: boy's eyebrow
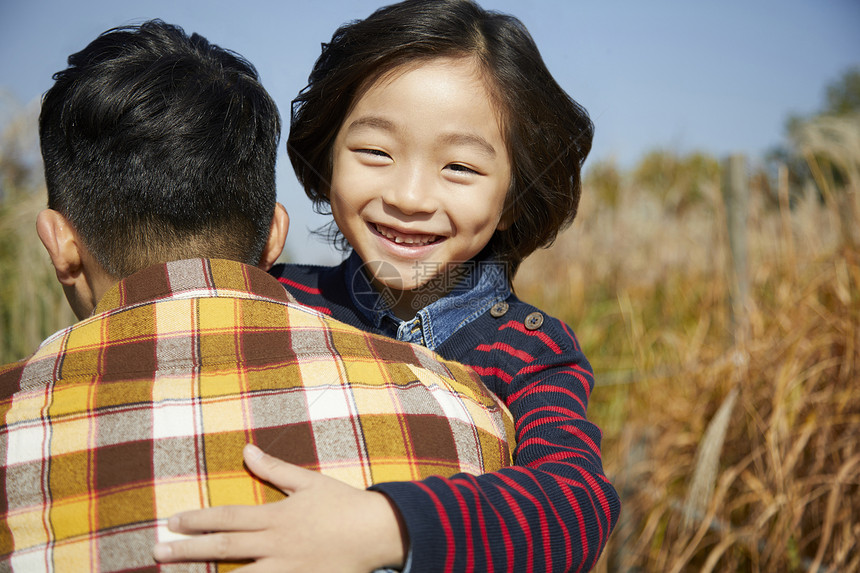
pixel 471 140
pixel 372 121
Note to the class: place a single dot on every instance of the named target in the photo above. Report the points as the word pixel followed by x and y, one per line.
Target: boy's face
pixel 420 172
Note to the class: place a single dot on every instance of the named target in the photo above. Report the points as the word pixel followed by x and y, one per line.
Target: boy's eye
pixel 373 152
pixel 459 168
pixel 373 157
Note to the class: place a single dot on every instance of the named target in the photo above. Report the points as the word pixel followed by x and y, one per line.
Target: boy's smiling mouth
pixel 408 239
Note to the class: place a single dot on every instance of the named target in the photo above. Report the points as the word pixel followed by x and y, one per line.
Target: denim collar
pixel 481 284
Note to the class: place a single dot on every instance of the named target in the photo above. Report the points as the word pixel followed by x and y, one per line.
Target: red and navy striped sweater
pixel 553 510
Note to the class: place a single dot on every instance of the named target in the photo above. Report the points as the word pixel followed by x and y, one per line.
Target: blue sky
pixel 720 77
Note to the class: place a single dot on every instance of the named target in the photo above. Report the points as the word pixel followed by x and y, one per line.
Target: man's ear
pixel 277 236
pixel 62 243
pixel 83 281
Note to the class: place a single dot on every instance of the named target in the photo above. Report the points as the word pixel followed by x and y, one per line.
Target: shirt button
pixel 533 321
pixel 499 309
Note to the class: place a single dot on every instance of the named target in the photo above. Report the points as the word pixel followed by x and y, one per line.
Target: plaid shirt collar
pixel 192 278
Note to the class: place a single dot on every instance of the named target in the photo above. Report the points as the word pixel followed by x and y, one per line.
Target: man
pixel 159 154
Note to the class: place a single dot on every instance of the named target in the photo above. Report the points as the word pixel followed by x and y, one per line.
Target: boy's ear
pixel 62 243
pixel 277 236
pixel 506 220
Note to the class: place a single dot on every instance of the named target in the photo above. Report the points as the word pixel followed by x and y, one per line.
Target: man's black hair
pixel 159 146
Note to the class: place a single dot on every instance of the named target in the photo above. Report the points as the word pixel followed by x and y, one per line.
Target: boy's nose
pixel 411 195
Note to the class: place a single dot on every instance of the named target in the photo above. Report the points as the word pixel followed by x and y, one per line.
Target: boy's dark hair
pixel 548 135
pixel 159 146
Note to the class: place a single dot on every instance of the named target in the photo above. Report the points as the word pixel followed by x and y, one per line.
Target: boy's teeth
pixel 407 239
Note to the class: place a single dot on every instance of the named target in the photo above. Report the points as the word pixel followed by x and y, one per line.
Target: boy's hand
pixel 324 525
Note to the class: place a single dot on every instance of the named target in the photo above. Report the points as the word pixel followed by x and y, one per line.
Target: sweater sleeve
pixel 553 510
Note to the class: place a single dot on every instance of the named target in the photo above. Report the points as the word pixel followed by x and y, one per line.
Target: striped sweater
pixel 553 510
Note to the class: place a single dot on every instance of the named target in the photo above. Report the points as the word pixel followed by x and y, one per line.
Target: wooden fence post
pixel 785 216
pixel 735 187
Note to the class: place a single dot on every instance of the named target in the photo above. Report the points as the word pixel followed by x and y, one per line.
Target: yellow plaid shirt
pixel 141 411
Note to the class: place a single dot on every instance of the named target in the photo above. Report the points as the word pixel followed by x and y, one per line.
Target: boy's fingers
pixel 283 475
pixel 221 518
pixel 213 546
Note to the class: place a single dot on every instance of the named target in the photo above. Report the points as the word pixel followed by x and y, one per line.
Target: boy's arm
pixel 324 525
pixel 552 512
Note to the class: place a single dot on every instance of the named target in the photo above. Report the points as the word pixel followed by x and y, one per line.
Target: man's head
pixel 157 147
